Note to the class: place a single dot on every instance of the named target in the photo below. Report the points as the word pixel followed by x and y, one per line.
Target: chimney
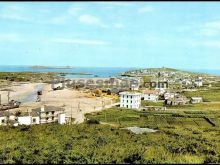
pixel 42 109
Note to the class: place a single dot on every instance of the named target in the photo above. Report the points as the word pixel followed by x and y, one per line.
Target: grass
pixel 126 117
pixel 200 106
pixel 151 103
pixel 179 140
pixel 26 76
pixel 207 95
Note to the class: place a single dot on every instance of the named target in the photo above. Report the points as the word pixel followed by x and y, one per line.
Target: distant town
pixel 157 89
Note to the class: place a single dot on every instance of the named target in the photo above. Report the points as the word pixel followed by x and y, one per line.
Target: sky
pixel 111 34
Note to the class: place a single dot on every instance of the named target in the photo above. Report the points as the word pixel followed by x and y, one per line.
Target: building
pixel 134 87
pixel 130 100
pixel 22 119
pixel 168 95
pixel 198 82
pixel 150 95
pixel 195 100
pixel 28 118
pixel 49 114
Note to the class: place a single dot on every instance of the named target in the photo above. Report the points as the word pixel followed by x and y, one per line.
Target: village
pixel 64 103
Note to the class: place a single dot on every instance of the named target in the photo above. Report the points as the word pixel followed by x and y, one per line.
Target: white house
pixel 168 95
pixel 61 118
pixel 24 120
pixel 3 120
pixel 195 100
pixel 150 95
pixel 49 114
pixel 198 82
pixel 130 100
pixel 134 87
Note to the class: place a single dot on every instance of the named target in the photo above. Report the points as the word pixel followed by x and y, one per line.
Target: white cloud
pixel 91 20
pixel 11 37
pixel 74 10
pixel 118 25
pixel 79 41
pixel 145 9
pixel 13 12
pixel 212 43
pixel 209 32
pixel 13 16
pixel 114 3
pixel 59 20
pixel 213 24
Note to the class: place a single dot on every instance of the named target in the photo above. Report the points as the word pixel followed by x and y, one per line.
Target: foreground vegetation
pixel 183 137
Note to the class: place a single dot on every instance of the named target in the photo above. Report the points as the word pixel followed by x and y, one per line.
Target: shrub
pixel 92 121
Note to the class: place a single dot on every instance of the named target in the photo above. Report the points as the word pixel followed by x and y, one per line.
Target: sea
pixel 90 72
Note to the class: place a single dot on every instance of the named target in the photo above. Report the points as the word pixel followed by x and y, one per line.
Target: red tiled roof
pixel 151 91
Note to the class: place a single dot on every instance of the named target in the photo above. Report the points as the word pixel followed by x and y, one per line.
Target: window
pixel 34 120
pixel 3 120
pixel 52 118
pixel 47 118
pixel 47 113
pixel 52 112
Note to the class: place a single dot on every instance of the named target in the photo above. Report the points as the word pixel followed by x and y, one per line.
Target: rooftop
pixel 130 93
pixel 48 109
pixel 151 91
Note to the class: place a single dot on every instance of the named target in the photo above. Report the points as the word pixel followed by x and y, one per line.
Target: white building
pixel 24 120
pixel 130 100
pixel 3 120
pixel 169 95
pixel 150 95
pixel 134 87
pixel 198 82
pixel 61 118
pixel 49 114
pixel 195 100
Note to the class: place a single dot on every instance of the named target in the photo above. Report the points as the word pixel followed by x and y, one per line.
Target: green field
pixel 207 95
pixel 177 132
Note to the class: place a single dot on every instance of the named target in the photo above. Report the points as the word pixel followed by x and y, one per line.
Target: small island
pixel 50 67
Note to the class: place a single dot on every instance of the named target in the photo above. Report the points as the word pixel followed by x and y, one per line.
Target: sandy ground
pixel 18 91
pixel 76 103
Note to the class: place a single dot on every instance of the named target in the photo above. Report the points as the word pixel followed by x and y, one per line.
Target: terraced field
pixel 122 118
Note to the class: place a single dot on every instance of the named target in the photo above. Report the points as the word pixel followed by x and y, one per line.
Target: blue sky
pixel 111 34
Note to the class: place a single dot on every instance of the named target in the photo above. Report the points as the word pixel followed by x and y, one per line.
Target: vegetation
pixel 151 103
pixel 26 76
pixel 182 137
pixel 207 95
pixel 200 106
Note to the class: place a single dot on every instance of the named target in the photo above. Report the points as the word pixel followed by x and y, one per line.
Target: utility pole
pixel 79 107
pixel 8 96
pixel 71 115
pixel 103 104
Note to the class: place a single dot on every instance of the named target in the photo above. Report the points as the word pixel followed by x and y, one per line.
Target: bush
pixel 92 121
